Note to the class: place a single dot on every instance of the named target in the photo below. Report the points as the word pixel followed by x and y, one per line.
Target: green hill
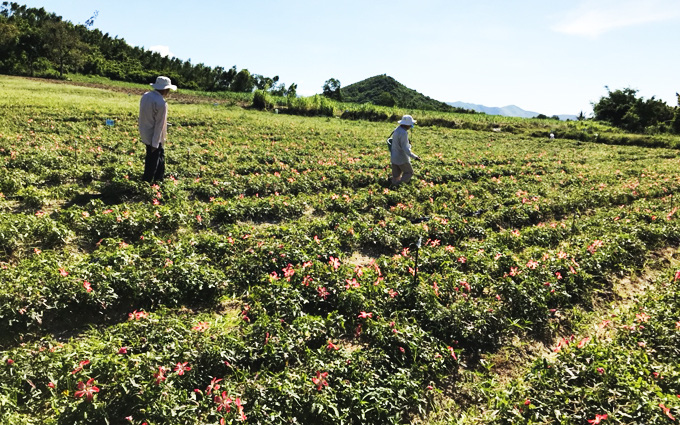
pixel 386 91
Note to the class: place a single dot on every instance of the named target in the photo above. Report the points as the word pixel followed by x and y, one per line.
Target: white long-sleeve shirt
pixel 153 119
pixel 401 147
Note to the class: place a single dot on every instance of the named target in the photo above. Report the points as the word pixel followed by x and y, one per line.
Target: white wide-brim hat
pixel 163 83
pixel 407 120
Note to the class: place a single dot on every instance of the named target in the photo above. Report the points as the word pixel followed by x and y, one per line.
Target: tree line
pixel 625 110
pixel 37 43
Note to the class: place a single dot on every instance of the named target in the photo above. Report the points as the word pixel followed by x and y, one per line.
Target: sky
pixel 550 57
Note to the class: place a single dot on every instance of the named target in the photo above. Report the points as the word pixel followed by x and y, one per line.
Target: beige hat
pixel 407 120
pixel 163 83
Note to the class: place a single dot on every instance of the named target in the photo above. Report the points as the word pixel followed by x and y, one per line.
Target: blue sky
pixel 544 56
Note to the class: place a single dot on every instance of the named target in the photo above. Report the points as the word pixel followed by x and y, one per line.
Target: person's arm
pixel 407 149
pixel 159 131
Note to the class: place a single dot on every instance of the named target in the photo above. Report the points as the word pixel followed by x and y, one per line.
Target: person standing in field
pixel 153 128
pixel 400 154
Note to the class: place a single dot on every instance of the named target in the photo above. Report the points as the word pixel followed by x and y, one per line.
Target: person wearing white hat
pixel 400 154
pixel 153 128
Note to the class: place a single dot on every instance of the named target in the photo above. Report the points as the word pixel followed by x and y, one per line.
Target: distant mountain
pixel 386 91
pixel 506 111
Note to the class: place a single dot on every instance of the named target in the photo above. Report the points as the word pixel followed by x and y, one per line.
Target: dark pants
pixel 154 164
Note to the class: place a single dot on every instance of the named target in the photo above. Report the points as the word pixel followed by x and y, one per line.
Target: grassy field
pixel 276 277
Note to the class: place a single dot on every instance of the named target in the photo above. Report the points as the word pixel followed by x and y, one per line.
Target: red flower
pixel 239 406
pixel 583 342
pixel 453 353
pixel 86 389
pixel 201 327
pixel 180 368
pixel 332 346
pixel 160 375
pixel 88 286
pixel 320 380
pixel 137 315
pixel 223 402
pixel 122 350
pixel 63 272
pixel 80 367
pixel 527 402
pixel 597 419
pixel 667 411
pixel 214 386
pixel 364 315
pixel 323 293
pixel 334 262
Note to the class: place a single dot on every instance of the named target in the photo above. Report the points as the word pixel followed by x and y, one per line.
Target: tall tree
pixel 331 89
pixel 63 45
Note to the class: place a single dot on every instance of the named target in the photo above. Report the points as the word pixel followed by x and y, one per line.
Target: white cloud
pixel 163 50
pixel 595 17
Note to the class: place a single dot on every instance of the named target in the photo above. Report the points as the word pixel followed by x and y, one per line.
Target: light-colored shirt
pixel 153 119
pixel 401 147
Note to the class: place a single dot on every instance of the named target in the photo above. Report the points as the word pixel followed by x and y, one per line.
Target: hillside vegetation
pixel 276 277
pixel 386 91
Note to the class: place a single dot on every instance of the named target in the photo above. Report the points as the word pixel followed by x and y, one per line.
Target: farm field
pixel 276 277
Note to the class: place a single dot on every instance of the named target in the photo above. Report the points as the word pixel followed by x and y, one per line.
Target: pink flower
pixel 453 353
pixel 223 402
pixel 214 386
pixel 642 317
pixel 160 375
pixel 352 283
pixel 87 285
pixel 597 419
pixel 583 342
pixel 138 315
pixel 600 370
pixel 80 366
pixel 527 402
pixel 239 406
pixel 86 389
pixel 532 264
pixel 323 293
pixel 320 380
pixel 201 327
pixel 180 368
pixel 332 346
pixel 667 411
pixel 63 272
pixel 364 315
pixel 288 272
pixel 334 262
pixel 122 350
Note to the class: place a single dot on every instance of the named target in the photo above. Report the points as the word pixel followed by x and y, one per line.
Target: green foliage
pixel 262 100
pixel 622 109
pixel 277 260
pixel 331 89
pixel 38 43
pixel 386 91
